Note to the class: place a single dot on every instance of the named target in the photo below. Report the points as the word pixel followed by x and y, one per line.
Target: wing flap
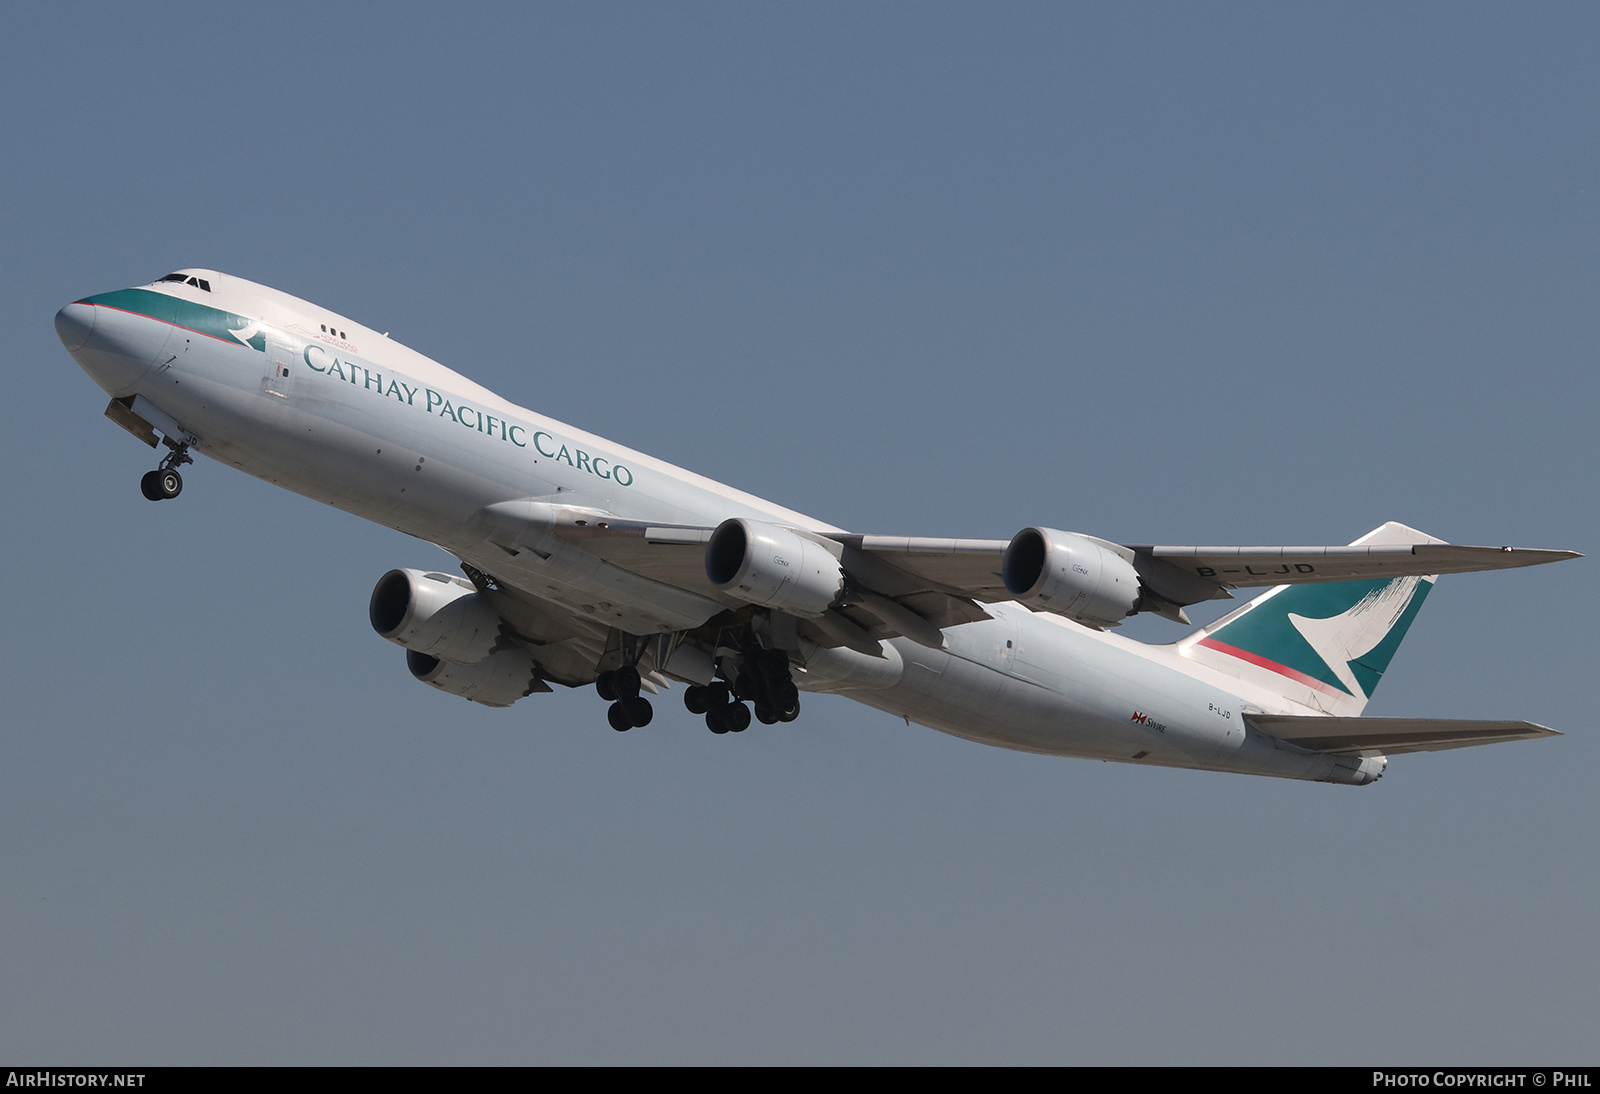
pixel 1391 736
pixel 957 567
pixel 675 556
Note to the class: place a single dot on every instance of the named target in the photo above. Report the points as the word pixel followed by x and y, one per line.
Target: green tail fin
pixel 1323 645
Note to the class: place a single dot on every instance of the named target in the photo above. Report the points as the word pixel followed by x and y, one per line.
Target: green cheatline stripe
pixel 200 318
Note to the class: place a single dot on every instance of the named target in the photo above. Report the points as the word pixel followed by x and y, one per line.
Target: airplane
pixel 587 563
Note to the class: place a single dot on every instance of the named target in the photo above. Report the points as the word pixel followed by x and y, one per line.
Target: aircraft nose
pixel 74 325
pixel 115 347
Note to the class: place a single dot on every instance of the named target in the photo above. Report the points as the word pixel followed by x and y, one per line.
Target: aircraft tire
pixel 618 717
pixel 148 486
pixel 638 710
pixel 606 685
pixel 169 484
pixel 714 720
pixel 766 715
pixel 627 678
pixel 737 717
pixel 694 700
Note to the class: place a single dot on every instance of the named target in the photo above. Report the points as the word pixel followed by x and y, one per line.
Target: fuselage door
pixel 280 369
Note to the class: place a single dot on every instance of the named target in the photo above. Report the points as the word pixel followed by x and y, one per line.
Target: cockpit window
pixel 188 279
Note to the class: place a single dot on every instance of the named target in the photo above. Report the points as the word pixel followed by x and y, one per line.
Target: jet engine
pixel 439 615
pixel 498 680
pixel 773 567
pixel 1070 575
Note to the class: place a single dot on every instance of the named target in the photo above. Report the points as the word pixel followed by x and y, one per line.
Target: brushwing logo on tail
pixel 1337 638
pixel 1347 638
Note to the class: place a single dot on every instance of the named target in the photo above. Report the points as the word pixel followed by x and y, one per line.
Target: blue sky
pixel 1165 273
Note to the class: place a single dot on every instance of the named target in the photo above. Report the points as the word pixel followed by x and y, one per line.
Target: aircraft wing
pixel 915 586
pixel 972 566
pixel 1241 567
pixel 1172 577
pixel 886 601
pixel 961 567
pixel 1390 736
pixel 670 553
pixel 895 566
pixel 883 600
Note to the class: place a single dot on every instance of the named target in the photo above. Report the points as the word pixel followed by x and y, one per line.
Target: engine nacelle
pixel 435 614
pixel 773 567
pixel 1069 575
pixel 498 680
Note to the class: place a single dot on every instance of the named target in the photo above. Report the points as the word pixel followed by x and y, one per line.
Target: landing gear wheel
pixel 736 716
pixel 790 713
pixel 694 700
pixel 164 483
pixel 745 686
pixel 627 678
pixel 638 710
pixel 617 715
pixel 606 685
pixel 714 720
pixel 766 715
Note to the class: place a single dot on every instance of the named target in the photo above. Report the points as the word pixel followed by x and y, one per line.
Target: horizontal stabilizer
pixel 1390 735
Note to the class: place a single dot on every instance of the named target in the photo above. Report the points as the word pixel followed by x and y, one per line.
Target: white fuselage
pixel 305 398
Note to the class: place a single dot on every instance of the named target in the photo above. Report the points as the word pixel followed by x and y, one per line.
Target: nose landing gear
pixel 164 483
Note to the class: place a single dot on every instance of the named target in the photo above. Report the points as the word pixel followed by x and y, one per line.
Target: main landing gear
pixel 629 709
pixel 164 483
pixel 759 678
pixel 763 679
